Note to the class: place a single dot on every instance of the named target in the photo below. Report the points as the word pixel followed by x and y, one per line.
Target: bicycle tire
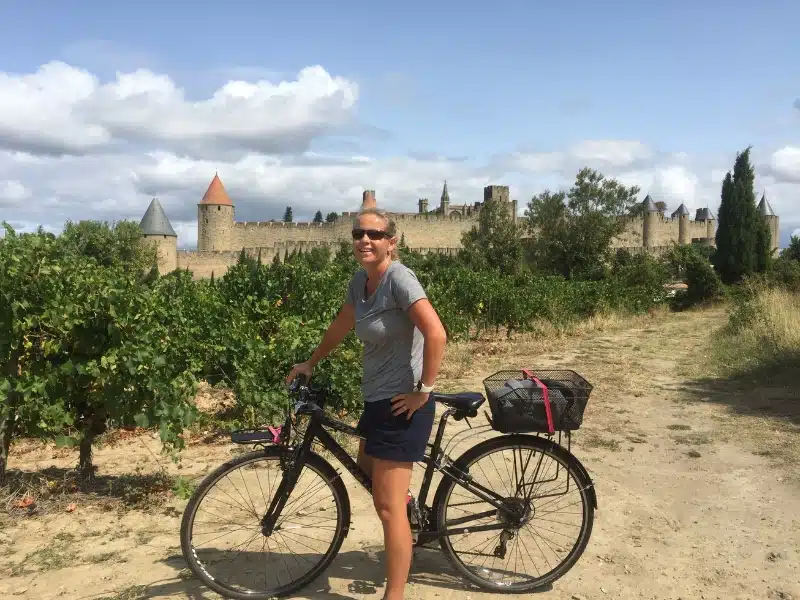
pixel 315 462
pixel 562 456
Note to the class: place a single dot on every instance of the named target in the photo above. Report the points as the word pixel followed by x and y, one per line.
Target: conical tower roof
pixel 764 207
pixel 216 194
pixel 445 194
pixel 649 205
pixel 703 214
pixel 155 221
pixel 680 211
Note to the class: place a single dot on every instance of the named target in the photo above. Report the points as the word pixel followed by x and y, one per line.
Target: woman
pixel 404 343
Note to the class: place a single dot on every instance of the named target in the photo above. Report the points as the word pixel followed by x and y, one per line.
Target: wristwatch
pixel 425 389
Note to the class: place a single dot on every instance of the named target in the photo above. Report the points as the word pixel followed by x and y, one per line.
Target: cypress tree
pixel 763 249
pixel 738 223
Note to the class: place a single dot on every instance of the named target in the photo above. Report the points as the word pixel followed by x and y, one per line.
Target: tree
pixel 742 238
pixel 318 217
pixel 495 241
pixel 793 251
pixel 110 245
pixel 287 215
pixel 572 232
pixel 331 217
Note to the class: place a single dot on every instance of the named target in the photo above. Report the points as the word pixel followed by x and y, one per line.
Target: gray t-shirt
pixel 392 344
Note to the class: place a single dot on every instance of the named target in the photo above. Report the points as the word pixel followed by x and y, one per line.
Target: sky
pixel 105 105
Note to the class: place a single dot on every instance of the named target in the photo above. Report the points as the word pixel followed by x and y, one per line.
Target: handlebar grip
pixel 302 379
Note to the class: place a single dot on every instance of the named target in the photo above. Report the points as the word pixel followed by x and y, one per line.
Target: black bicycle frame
pixel 433 461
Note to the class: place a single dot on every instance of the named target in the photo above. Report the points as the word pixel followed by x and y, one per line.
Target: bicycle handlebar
pixel 305 402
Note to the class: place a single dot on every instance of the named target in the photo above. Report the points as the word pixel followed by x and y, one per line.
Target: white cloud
pixel 606 155
pixel 12 192
pixel 61 109
pixel 673 184
pixel 614 153
pixel 785 164
pixel 74 147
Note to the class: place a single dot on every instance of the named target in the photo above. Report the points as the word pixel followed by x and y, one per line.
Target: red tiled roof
pixel 216 194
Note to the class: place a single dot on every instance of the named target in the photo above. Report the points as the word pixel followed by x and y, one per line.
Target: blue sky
pixel 702 77
pixel 465 80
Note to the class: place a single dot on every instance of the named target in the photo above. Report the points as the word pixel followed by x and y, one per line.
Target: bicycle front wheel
pixel 221 534
pixel 549 493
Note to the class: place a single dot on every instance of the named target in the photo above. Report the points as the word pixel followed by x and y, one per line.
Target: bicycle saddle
pixel 468 401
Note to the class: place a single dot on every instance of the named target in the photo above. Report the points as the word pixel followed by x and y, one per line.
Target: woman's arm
pixel 424 316
pixel 336 332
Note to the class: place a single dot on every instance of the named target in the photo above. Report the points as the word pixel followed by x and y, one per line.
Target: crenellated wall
pixel 429 230
pixel 204 262
pixel 424 233
pixel 631 236
pixel 221 238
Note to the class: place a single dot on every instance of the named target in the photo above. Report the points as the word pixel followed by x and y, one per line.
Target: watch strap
pixel 425 389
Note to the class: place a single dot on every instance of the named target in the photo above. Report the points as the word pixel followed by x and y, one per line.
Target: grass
pixel 135 592
pixel 763 333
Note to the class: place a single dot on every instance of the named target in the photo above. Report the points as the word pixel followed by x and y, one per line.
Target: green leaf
pixel 66 441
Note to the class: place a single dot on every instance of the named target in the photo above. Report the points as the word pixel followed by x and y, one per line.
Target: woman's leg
pixel 364 460
pixel 390 481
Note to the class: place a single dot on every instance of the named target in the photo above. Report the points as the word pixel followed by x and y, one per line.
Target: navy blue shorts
pixel 397 438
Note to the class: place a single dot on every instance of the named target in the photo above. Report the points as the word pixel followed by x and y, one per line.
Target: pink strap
pixel 546 394
pixel 276 433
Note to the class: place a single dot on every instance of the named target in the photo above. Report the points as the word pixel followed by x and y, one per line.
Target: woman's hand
pixel 304 368
pixel 408 403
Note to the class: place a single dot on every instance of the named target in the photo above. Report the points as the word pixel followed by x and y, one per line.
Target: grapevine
pixel 91 336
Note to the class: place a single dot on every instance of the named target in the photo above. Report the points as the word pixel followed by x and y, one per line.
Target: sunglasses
pixel 372 234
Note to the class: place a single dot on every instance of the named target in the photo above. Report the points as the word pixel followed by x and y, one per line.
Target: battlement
pixel 440 231
pixel 278 225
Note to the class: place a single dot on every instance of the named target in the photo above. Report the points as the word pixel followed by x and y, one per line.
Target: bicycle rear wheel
pixel 558 481
pixel 243 488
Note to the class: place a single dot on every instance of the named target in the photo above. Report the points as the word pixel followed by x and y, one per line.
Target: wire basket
pixel 537 400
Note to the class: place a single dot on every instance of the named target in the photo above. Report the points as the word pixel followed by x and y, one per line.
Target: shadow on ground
pixel 768 391
pixel 363 570
pixel 54 488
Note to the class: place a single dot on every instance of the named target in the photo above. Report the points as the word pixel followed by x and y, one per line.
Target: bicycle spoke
pixel 226 542
pixel 541 490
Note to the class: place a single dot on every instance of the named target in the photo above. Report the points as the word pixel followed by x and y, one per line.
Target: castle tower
pixel 215 217
pixel 501 195
pixel 705 214
pixel 444 202
pixel 423 205
pixel 683 224
pixel 650 221
pixel 157 230
pixel 766 212
pixel 368 199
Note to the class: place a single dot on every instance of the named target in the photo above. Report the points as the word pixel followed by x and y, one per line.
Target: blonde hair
pixel 391 226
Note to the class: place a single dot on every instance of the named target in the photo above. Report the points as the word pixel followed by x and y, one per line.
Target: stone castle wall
pixel 221 237
pixel 203 264
pixel 424 233
pixel 419 230
pixel 167 251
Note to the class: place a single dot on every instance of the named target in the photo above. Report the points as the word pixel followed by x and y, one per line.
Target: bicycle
pixel 527 417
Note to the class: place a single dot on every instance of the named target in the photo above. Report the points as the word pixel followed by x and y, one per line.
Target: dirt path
pixel 698 497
